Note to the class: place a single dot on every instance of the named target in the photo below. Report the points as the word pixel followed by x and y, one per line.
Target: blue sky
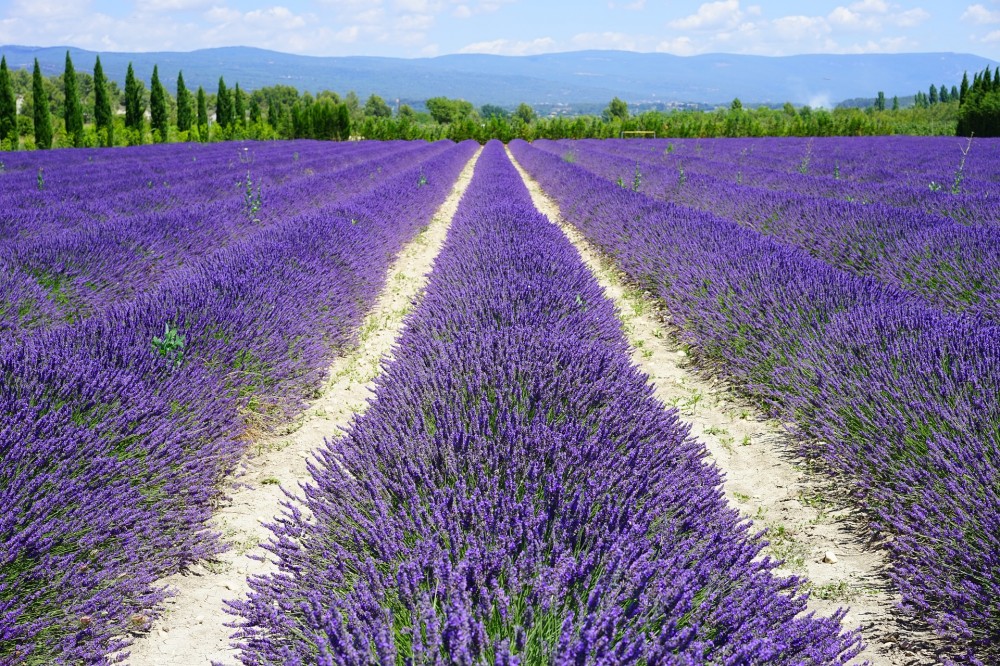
pixel 414 28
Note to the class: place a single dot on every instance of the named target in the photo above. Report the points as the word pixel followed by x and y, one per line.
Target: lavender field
pixel 514 494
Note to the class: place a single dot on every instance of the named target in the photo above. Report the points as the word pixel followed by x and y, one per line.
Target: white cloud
pixel 910 18
pixel 512 47
pixel 677 46
pixel 710 16
pixel 170 5
pixel 992 38
pixel 609 40
pixel 980 14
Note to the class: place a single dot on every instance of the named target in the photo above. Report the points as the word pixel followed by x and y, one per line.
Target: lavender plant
pixel 900 396
pixel 515 494
pixel 111 459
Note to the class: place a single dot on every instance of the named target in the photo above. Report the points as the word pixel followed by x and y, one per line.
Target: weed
pixel 956 185
pixel 269 481
pixel 170 346
pixel 746 440
pixel 741 497
pixel 838 591
pixel 806 159
pixel 252 198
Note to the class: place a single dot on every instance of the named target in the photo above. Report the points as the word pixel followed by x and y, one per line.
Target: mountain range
pixel 578 77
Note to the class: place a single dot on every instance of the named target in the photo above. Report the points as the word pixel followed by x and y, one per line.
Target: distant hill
pixel 579 77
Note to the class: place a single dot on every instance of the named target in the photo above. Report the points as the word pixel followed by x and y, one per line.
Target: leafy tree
pixel 41 116
pixel 343 122
pixel 406 111
pixel 239 107
pixel 183 105
pixel 895 103
pixel 159 120
pixel 8 105
pixel 72 109
pixel 202 114
pixel 880 101
pixel 255 115
pixel 102 105
pixel 525 113
pixel 446 111
pixel 489 111
pixel 135 102
pixel 943 94
pixel 953 95
pixel 618 109
pixel 932 97
pixel 964 90
pixel 376 107
pixel 223 106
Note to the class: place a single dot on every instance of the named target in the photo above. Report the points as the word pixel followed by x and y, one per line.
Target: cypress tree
pixel 895 102
pixel 73 112
pixel 933 96
pixel 183 105
pixel 202 115
pixel 963 92
pixel 159 121
pixel 996 78
pixel 239 108
pixel 223 105
pixel 254 110
pixel 40 104
pixel 954 93
pixel 135 104
pixel 102 104
pixel 8 105
pixel 943 94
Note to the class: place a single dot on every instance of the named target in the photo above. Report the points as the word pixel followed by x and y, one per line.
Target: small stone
pixel 199 619
pixel 830 557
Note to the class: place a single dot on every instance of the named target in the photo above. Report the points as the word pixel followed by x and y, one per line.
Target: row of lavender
pixel 902 397
pixel 946 176
pixel 74 248
pixel 515 494
pixel 112 445
pixel 950 265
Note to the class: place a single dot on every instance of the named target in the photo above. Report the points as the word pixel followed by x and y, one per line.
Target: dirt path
pixel 808 527
pixel 192 631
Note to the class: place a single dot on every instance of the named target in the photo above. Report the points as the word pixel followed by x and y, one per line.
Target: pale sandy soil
pixel 764 480
pixel 192 631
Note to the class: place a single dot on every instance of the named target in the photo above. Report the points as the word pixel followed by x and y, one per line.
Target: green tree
pixel 943 94
pixel 880 101
pixel 223 106
pixel 102 105
pixel 963 91
pixel 202 114
pixel 446 111
pixel 255 115
pixel 8 106
pixel 40 108
pixel 895 103
pixel 135 102
pixel 489 111
pixel 239 107
pixel 525 113
pixel 343 122
pixel 183 105
pixel 73 112
pixel 376 107
pixel 932 96
pixel 158 116
pixel 618 110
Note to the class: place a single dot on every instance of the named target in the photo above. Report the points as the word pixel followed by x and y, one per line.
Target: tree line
pixel 83 109
pixel 979 114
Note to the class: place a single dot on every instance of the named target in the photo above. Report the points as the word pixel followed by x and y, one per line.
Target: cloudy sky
pixel 414 28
